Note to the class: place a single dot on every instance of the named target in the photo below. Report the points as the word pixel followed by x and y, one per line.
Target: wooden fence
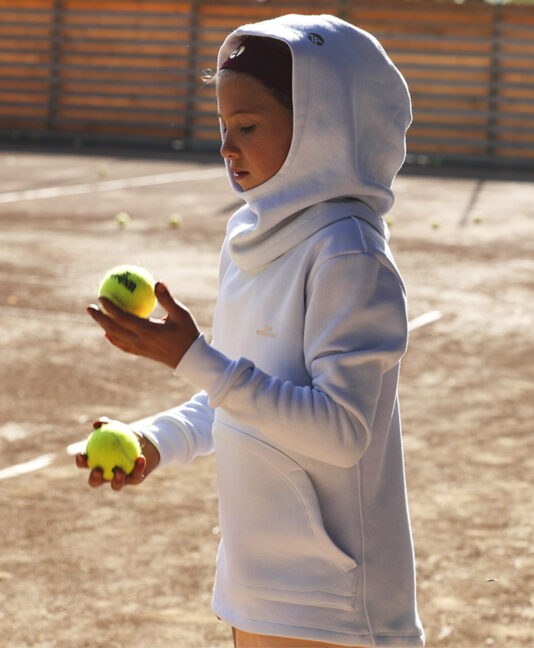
pixel 127 70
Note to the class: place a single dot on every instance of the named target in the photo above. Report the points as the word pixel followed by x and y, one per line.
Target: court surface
pixel 82 568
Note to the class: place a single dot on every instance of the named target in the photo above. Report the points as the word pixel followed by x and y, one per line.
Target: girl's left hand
pixel 165 340
pixel 144 465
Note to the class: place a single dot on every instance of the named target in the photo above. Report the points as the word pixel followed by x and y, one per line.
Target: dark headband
pixel 267 59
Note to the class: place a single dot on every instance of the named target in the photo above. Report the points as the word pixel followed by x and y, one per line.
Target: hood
pixel 351 110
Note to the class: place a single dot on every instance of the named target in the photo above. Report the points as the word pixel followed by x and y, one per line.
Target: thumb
pixel 165 298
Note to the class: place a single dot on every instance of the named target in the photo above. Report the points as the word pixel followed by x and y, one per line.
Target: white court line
pixel 79 446
pixel 424 319
pixel 29 466
pixel 112 185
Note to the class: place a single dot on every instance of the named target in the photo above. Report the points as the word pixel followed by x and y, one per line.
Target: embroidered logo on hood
pixel 316 39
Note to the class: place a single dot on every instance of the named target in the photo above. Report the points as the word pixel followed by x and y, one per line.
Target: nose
pixel 228 147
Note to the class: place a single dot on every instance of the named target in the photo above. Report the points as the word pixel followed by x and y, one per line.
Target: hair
pixel 209 77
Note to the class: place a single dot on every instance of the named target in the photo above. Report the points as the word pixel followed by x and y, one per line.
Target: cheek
pixel 281 145
pixel 271 157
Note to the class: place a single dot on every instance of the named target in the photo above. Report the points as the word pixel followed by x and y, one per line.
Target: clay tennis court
pixel 82 568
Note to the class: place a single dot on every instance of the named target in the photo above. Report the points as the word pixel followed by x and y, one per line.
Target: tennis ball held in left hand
pixel 131 288
pixel 112 445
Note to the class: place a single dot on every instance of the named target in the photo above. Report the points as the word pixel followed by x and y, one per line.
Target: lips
pixel 239 173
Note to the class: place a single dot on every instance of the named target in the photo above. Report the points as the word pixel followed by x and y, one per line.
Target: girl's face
pixel 257 129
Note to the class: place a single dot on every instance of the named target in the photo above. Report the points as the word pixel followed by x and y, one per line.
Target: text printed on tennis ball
pixel 130 288
pixel 124 279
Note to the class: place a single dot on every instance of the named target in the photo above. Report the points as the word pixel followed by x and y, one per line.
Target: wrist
pixel 149 449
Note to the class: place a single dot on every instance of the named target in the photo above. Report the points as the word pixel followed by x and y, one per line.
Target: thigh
pixel 246 640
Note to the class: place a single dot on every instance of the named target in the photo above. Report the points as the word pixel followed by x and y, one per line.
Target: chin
pixel 246 185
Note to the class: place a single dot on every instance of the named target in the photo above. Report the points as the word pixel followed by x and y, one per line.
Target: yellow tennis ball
pixel 123 219
pixel 110 446
pixel 131 288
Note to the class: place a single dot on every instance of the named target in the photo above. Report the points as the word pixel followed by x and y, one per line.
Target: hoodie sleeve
pixel 184 432
pixel 355 333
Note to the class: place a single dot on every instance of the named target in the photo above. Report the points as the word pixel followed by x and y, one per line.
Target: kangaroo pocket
pixel 275 544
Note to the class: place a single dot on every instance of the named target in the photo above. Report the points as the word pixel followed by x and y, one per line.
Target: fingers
pixel 120 478
pixel 96 478
pixel 138 473
pixel 112 318
pixel 122 329
pixel 81 460
pixel 100 422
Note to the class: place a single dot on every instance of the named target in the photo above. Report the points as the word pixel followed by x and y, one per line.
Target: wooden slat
pixel 437 30
pixel 20 6
pixel 104 7
pixel 445 148
pixel 445 119
pixel 452 132
pixel 33 111
pixel 126 105
pixel 26 58
pixel 24 84
pixel 24 73
pixel 395 45
pixel 24 32
pixel 105 114
pixel 243 12
pixel 109 35
pixel 13 16
pixel 143 76
pixel 149 50
pixel 118 128
pixel 518 123
pixel 35 45
pixel 160 62
pixel 513 153
pixel 143 89
pixel 122 20
pixel 429 88
pixel 22 97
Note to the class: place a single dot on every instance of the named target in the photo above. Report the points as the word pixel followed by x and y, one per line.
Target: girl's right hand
pixel 144 465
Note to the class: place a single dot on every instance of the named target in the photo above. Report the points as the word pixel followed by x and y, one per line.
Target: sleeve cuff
pixel 170 440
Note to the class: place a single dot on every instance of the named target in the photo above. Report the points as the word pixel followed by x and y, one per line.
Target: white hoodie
pixel 299 386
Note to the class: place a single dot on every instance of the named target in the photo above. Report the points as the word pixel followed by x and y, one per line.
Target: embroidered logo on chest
pixel 267 331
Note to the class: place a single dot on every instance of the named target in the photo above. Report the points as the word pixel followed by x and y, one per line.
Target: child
pixel 299 386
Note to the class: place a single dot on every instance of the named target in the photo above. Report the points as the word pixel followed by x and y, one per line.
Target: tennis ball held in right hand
pixel 112 445
pixel 131 288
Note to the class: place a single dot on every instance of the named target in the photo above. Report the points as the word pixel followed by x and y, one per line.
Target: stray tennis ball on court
pixel 131 288
pixel 477 220
pixel 175 220
pixel 436 224
pixel 123 218
pixel 112 445
pixel 103 170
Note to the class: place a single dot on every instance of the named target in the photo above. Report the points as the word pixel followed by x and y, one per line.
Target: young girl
pixel 299 386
